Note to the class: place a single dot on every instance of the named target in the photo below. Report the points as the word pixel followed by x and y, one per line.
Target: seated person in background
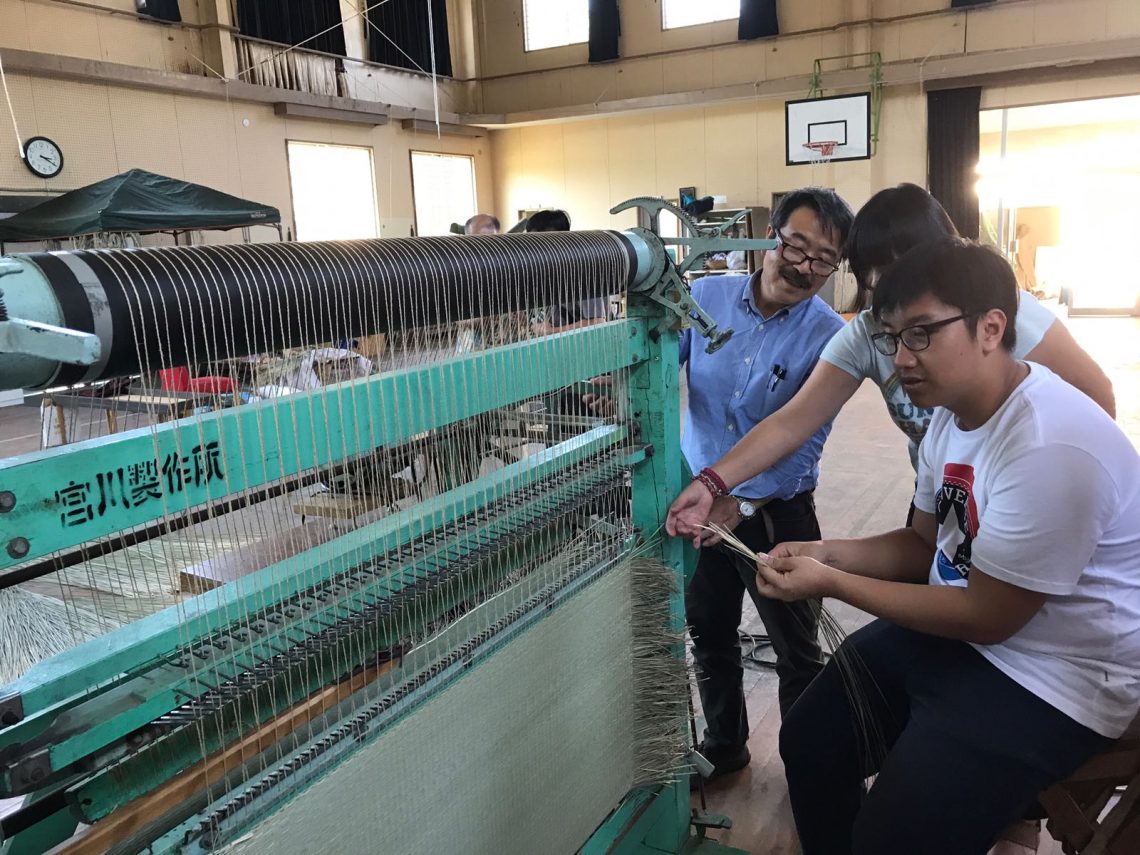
pixel 568 316
pixel 552 220
pixel 571 315
pixel 470 336
pixel 1007 650
pixel 482 224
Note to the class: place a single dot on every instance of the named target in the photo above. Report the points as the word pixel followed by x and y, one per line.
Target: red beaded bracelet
pixel 712 482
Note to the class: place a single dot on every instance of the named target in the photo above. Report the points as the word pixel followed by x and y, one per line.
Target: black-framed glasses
pixel 915 338
pixel 794 255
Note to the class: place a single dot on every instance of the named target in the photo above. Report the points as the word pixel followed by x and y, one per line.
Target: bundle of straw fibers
pixel 34 627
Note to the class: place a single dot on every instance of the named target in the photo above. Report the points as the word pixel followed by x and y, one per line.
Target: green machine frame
pixel 68 728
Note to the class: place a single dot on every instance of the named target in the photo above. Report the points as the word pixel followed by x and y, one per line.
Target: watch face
pixel 747 510
pixel 43 157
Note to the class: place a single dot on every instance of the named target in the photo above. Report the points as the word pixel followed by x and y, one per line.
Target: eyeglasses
pixel 915 338
pixel 794 255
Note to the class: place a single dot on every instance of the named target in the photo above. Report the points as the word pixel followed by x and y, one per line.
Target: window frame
pixel 665 23
pixel 526 31
pixel 290 143
pixel 412 173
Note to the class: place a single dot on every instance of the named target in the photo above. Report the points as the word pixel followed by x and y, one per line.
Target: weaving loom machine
pixel 495 666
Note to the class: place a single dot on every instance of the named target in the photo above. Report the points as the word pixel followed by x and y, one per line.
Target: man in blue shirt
pixel 780 328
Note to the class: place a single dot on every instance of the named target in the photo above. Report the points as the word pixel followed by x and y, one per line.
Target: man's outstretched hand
pixel 689 512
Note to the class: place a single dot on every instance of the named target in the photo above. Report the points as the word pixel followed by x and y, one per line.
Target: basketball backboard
pixel 843 119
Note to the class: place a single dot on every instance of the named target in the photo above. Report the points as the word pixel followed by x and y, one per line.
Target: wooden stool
pixel 1074 806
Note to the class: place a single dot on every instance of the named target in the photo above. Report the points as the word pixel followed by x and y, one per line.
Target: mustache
pixel 796 278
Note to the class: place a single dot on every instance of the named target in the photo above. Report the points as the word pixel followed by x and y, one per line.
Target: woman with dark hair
pixel 892 221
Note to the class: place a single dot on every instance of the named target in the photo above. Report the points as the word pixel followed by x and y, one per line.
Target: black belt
pixel 759 503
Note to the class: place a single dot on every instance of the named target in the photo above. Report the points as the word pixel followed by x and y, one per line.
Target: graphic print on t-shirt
pixel 956 496
pixel 911 419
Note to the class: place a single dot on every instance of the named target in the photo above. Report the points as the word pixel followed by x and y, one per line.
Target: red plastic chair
pixel 179 380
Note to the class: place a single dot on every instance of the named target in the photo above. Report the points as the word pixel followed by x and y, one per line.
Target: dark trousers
pixel 713 606
pixel 960 749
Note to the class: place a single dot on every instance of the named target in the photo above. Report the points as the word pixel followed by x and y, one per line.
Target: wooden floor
pixel 865 488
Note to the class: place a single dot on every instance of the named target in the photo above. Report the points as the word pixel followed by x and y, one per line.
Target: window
pixel 553 23
pixel 686 13
pixel 334 191
pixel 443 187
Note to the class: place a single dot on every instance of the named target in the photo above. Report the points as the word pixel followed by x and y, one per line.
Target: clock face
pixel 43 157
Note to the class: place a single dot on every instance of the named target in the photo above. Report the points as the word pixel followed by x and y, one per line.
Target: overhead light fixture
pixel 290 110
pixel 427 126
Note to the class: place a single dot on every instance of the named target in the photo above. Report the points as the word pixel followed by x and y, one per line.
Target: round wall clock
pixel 43 157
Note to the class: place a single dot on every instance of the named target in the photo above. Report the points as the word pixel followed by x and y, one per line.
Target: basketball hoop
pixel 821 151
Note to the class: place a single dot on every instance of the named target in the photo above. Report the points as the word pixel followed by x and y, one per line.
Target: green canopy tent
pixel 138 202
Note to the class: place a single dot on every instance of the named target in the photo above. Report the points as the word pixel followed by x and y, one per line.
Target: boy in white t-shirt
pixel 1008 646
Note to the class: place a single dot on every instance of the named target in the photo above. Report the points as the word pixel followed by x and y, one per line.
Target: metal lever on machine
pixel 670 288
pixel 659 281
pixel 32 338
pixel 677 293
pixel 47 342
pixel 663 283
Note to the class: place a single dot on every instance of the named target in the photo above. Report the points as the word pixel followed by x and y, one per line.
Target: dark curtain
pixel 953 147
pixel 166 10
pixel 290 22
pixel 605 28
pixel 405 22
pixel 758 19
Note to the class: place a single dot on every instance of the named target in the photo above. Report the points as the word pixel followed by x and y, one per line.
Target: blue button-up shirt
pixel 758 371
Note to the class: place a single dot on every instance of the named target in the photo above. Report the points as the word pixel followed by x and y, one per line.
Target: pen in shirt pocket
pixel 779 372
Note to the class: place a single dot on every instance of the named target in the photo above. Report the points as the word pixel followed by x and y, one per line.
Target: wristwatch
pixel 747 509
